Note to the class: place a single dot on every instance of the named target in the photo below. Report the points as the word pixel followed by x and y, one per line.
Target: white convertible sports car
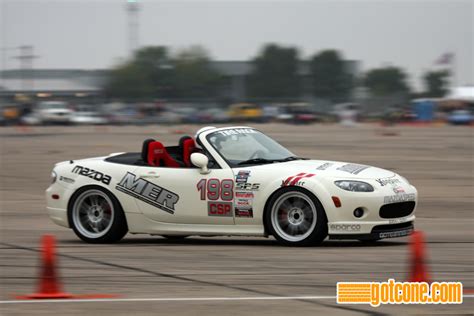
pixel 228 181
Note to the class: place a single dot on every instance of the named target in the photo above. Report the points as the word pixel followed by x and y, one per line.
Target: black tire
pixel 314 235
pixel 117 226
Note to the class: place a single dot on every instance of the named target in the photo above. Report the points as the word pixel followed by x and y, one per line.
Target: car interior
pixel 155 154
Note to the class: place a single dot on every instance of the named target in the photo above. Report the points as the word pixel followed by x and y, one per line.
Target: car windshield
pixel 247 146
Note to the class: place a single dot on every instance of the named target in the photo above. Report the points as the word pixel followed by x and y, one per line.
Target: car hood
pixel 336 169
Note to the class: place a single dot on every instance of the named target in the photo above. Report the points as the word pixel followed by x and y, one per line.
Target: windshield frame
pixel 236 165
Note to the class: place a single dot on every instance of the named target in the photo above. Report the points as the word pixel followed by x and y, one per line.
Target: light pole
pixel 133 24
pixel 26 58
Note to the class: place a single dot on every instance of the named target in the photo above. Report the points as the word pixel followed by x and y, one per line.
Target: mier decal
pixel 148 192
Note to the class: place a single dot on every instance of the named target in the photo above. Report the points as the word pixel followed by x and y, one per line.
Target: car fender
pixel 98 173
pixel 271 187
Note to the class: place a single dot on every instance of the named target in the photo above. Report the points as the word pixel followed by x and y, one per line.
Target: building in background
pixel 63 84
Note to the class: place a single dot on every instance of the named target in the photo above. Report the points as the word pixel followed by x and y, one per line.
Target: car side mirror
pixel 200 161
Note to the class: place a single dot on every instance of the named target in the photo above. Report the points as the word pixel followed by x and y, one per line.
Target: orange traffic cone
pixel 418 269
pixel 49 286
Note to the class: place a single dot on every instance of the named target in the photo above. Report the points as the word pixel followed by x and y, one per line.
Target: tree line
pixel 154 72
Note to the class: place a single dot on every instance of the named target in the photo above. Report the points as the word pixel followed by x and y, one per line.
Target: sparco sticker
pixel 93 174
pixel 346 227
pixel 353 168
pixel 148 192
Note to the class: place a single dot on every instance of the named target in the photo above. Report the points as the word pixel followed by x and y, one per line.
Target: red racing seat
pixel 159 157
pixel 187 147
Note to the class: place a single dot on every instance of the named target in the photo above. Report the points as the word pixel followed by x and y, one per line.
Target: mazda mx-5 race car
pixel 228 181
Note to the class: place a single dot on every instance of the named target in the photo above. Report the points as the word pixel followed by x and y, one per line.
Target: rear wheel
pixel 96 216
pixel 295 217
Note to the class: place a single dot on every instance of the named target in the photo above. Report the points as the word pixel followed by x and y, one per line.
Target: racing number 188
pixel 216 189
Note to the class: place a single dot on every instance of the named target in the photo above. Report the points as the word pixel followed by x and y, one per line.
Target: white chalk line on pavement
pixel 181 299
pixel 170 299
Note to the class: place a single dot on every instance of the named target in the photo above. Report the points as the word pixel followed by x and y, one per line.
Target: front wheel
pixel 295 217
pixel 96 216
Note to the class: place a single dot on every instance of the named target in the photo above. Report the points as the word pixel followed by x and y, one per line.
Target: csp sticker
pixel 223 209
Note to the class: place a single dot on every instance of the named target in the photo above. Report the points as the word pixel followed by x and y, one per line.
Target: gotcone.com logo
pixel 392 292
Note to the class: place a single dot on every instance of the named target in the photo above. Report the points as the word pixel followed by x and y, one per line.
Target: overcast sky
pixel 93 34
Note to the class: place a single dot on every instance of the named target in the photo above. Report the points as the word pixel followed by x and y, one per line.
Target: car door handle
pixel 149 175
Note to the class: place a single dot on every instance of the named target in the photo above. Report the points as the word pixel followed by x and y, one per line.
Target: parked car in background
pixel 214 115
pixel 347 113
pixel 245 112
pixel 297 113
pixel 118 113
pixel 9 114
pixel 2 117
pixel 460 117
pixel 87 115
pixel 186 114
pixel 270 112
pixel 50 112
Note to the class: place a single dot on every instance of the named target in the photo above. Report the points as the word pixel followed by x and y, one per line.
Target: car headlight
pixel 54 176
pixel 354 186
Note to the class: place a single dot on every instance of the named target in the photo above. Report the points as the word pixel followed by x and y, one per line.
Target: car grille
pixel 395 210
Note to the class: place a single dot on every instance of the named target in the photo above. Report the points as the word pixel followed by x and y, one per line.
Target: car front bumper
pixel 380 232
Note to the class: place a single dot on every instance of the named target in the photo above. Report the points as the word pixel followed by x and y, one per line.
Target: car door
pixel 182 195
